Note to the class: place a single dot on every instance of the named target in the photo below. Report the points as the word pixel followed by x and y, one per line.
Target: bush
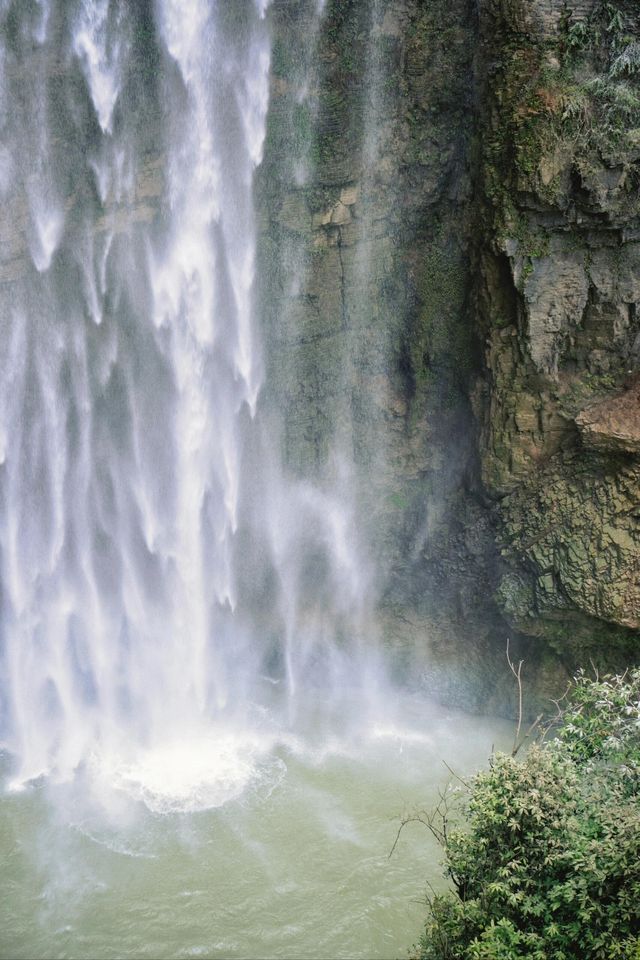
pixel 548 866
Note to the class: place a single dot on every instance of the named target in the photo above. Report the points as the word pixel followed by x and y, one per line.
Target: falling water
pixel 202 752
pixel 162 579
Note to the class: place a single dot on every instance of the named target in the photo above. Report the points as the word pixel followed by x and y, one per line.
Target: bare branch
pixel 533 726
pixel 553 721
pixel 403 824
pixel 436 821
pixel 517 672
pixel 465 783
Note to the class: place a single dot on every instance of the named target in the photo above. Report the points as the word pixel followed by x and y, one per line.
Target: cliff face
pixel 463 221
pixel 372 352
pixel 559 288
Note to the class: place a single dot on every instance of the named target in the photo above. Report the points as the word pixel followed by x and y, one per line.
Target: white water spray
pixel 159 572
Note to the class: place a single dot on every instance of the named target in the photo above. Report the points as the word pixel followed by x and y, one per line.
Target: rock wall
pixel 371 353
pixel 559 284
pixel 461 214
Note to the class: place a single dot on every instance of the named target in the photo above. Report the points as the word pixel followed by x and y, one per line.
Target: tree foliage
pixel 546 865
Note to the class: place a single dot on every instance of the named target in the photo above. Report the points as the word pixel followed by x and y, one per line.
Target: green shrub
pixel 627 63
pixel 547 866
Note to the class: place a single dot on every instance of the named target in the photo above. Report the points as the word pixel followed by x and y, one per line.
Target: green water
pixel 296 865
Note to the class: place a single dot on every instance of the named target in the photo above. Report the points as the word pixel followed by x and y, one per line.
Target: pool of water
pixel 236 845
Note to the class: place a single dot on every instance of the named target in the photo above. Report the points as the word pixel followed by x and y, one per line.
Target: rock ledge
pixel 614 423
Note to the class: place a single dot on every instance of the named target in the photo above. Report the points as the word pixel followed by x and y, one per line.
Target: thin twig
pixel 518 675
pixel 418 818
pixel 464 783
pixel 528 733
pixel 439 815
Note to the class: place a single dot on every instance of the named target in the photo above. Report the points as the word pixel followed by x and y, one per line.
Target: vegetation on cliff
pixel 547 863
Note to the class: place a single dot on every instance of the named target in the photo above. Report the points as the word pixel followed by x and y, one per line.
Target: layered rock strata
pixel 558 303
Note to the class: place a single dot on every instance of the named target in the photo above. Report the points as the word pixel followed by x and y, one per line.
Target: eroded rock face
pixel 555 297
pixel 613 425
pixel 578 526
pixel 559 402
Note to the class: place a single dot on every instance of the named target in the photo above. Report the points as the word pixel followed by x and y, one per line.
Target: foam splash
pixel 188 774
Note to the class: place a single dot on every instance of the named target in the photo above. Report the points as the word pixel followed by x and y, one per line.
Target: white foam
pixel 188 774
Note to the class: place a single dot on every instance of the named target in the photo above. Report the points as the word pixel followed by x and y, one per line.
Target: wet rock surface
pixel 466 322
pixel 370 356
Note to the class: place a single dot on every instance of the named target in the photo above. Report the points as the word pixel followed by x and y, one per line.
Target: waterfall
pixel 161 574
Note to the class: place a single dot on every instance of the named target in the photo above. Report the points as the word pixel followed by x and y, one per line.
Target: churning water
pixel 294 864
pixel 201 756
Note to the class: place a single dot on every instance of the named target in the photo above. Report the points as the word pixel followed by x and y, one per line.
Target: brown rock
pixel 614 423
